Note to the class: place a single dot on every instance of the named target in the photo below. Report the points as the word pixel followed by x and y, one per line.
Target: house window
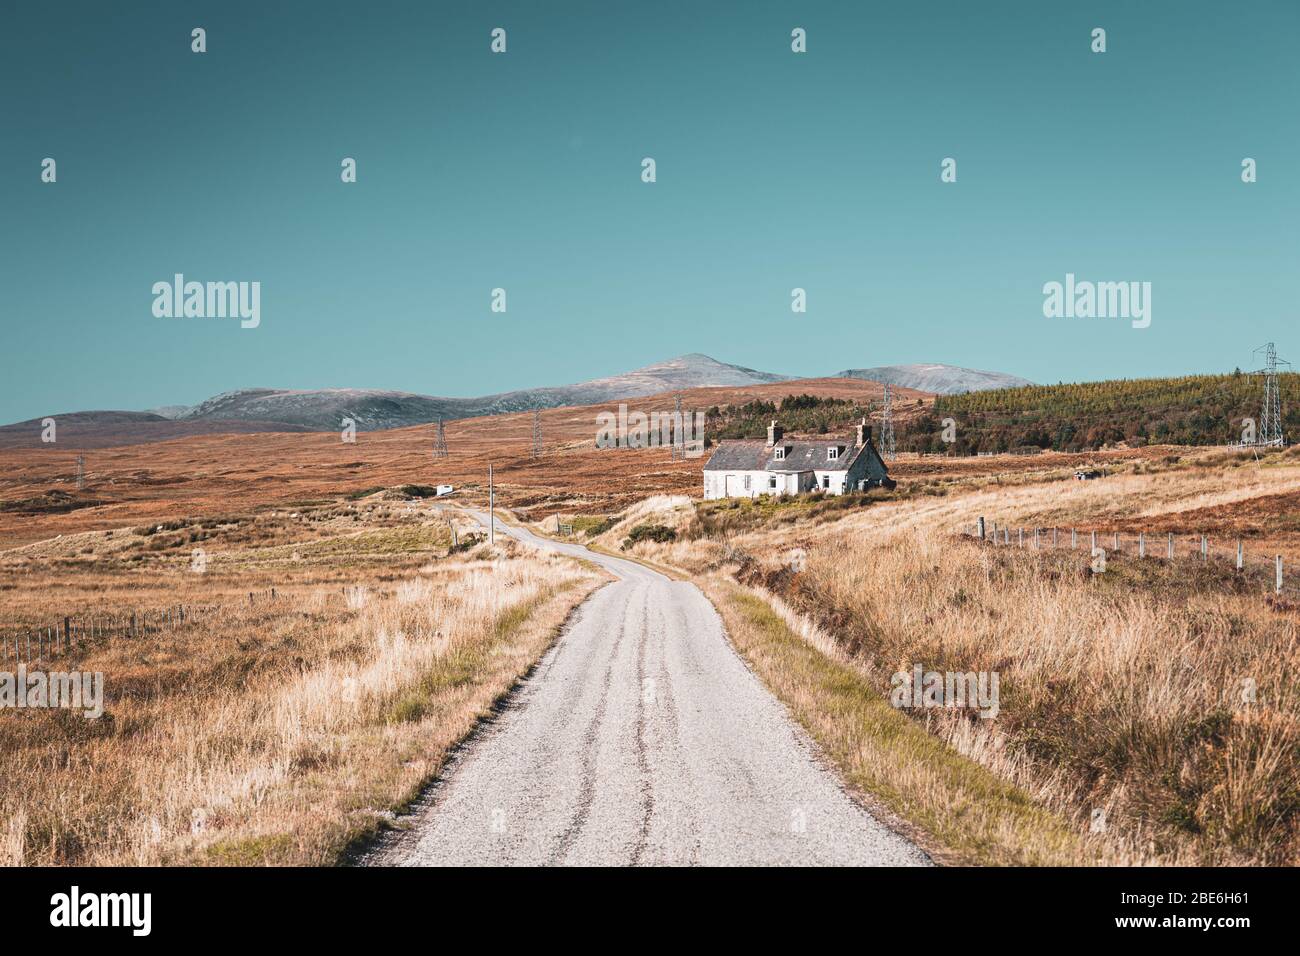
pixel 771 482
pixel 826 481
pixel 832 454
pixel 780 454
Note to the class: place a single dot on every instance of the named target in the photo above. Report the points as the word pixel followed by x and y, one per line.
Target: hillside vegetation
pixel 798 414
pixel 1086 416
pixel 1191 410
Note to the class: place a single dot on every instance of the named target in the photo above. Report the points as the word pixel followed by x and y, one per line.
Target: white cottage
pixel 788 466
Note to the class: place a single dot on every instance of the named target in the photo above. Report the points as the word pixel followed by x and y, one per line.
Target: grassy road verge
pixel 956 809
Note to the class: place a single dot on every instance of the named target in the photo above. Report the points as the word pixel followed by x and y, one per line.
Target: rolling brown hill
pixel 108 429
pixel 217 473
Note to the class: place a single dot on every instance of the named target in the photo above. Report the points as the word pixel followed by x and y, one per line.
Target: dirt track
pixel 641 738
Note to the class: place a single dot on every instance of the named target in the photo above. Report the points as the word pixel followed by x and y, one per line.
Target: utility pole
pixel 537 433
pixel 887 428
pixel 81 472
pixel 678 448
pixel 1270 419
pixel 492 526
pixel 440 442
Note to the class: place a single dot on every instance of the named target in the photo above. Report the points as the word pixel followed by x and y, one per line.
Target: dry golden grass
pixel 277 733
pixel 1120 692
pixel 957 809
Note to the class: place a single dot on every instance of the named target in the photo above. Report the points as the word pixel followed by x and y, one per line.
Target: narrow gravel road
pixel 641 738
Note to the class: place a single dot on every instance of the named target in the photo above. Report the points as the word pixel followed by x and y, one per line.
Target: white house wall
pixel 731 484
pixel 837 478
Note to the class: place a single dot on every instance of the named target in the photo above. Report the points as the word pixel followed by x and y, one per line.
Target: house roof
pixel 801 455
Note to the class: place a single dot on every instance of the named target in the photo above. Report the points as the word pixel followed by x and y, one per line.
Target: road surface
pixel 641 738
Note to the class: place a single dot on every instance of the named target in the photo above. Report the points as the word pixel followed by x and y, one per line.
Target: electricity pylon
pixel 440 442
pixel 887 428
pixel 1270 418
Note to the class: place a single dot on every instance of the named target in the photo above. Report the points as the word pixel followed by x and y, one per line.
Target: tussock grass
pixel 282 733
pixel 1131 698
pixel 1127 693
pixel 967 812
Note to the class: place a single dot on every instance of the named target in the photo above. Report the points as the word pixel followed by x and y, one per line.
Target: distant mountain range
pixel 940 379
pixel 274 409
pixel 374 409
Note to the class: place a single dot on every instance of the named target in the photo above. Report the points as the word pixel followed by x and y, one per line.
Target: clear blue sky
pixel 522 170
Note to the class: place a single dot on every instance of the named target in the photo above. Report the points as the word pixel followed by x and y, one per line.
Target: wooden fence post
pixel 1053 537
pixel 1116 548
pixel 1171 546
pixel 1279 574
pixel 1094 542
pixel 1241 557
pixel 1205 548
pixel 1074 538
pixel 1142 544
pixel 979 525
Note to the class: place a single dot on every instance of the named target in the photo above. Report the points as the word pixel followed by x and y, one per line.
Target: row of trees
pixel 806 414
pixel 1084 416
pixel 1189 410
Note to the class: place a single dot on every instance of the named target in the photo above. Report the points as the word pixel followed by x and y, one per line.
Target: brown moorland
pixel 316 518
pixel 212 474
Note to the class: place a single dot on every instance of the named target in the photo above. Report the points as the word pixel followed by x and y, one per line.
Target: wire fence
pixel 74 633
pixel 1268 570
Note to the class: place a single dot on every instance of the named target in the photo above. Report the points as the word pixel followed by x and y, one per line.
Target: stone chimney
pixel 774 433
pixel 863 433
